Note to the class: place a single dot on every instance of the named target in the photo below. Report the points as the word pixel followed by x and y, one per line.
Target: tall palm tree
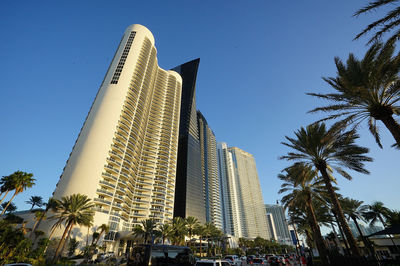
pixel 191 223
pixel 39 215
pixel 10 206
pixel 165 231
pixel 179 231
pixel 51 204
pixel 302 183
pixel 326 150
pixel 6 185
pixel 103 229
pixel 367 89
pixel 76 209
pixel 35 201
pixel 354 210
pixel 21 181
pixel 393 218
pixel 200 231
pixel 376 211
pixel 146 230
pixel 388 23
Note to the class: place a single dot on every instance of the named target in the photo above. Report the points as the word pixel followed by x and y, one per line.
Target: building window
pixel 122 60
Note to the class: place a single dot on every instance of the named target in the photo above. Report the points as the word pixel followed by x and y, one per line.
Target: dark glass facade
pixel 189 193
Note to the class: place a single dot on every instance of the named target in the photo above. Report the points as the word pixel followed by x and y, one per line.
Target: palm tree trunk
pixel 339 212
pixel 59 243
pixel 66 239
pixel 9 202
pixel 393 127
pixel 340 248
pixel 87 236
pixel 5 195
pixel 319 241
pixel 33 228
pixel 366 242
pixel 200 248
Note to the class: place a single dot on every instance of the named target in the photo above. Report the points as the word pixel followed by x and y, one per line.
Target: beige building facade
pixel 252 216
pixel 126 153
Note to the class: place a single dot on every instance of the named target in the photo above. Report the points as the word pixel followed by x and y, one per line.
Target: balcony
pixel 109 175
pixel 102 201
pixel 106 183
pixel 103 191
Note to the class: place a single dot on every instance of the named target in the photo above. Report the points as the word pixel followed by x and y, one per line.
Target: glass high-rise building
pixel 189 191
pixel 253 219
pixel 125 157
pixel 211 181
pixel 281 226
pixel 229 192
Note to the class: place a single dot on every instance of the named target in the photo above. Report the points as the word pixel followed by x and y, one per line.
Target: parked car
pixel 274 260
pixel 258 261
pixel 212 263
pixel 250 258
pixel 233 259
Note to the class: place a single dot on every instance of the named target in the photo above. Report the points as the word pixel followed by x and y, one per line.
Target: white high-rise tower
pixel 252 216
pixel 125 155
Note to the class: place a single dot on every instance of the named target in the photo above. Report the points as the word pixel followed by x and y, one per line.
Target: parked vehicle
pixel 212 263
pixel 233 259
pixel 274 260
pixel 144 255
pixel 258 261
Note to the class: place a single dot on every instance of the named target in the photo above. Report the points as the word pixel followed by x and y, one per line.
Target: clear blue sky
pixel 258 59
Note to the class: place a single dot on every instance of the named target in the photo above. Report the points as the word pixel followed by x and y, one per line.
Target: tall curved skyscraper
pixel 125 157
pixel 189 193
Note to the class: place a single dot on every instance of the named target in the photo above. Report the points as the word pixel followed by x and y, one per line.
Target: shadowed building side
pixel 189 193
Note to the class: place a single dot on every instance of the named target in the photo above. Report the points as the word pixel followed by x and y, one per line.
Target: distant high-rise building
pixel 189 192
pixel 229 192
pixel 271 226
pixel 251 205
pixel 211 181
pixel 281 226
pixel 125 157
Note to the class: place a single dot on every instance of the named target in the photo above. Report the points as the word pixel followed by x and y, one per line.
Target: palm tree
pixel 191 223
pixel 384 25
pixel 51 204
pixel 367 89
pixel 355 210
pixel 303 184
pixel 179 231
pixel 9 206
pixel 376 211
pixel 201 232
pixel 74 210
pixel 6 185
pixel 165 231
pixel 35 201
pixel 21 181
pixel 393 218
pixel 39 215
pixel 146 230
pixel 325 150
pixel 103 229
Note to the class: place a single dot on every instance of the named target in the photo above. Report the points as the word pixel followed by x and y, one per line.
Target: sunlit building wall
pixel 281 226
pixel 251 204
pixel 125 157
pixel 229 192
pixel 211 181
